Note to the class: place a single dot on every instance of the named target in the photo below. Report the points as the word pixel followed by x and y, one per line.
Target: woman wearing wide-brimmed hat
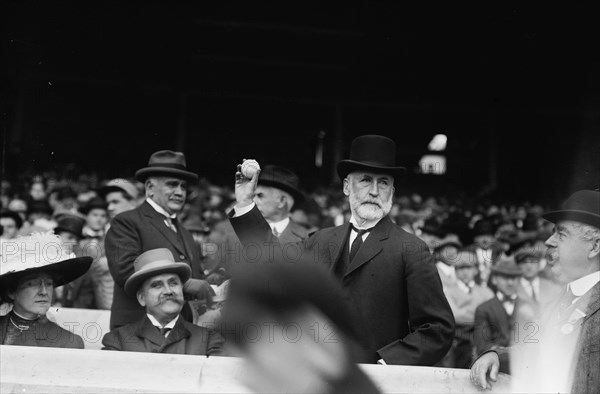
pixel 29 270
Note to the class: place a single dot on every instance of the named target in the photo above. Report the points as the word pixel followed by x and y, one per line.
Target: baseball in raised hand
pixel 245 186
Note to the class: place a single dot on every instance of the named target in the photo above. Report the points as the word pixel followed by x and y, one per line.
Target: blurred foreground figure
pixel 565 355
pixel 31 267
pixel 291 324
pixel 157 284
pixel 389 275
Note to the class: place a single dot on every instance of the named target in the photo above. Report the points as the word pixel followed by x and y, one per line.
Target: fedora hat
pixel 283 179
pixel 155 262
pixel 507 267
pixel 583 206
pixel 371 153
pixel 71 224
pixel 94 203
pixel 166 163
pixel 40 252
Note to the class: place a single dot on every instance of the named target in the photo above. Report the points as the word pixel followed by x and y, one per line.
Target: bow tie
pixel 511 299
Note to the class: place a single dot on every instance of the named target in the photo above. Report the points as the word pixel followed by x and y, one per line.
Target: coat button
pixel 182 257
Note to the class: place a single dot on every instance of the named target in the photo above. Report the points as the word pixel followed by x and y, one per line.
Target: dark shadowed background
pixel 100 85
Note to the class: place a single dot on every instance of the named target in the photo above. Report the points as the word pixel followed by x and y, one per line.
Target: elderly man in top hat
pixel 570 330
pixel 154 224
pixel 157 284
pixel 389 276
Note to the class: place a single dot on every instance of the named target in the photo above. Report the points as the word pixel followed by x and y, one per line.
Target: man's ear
pixel 140 297
pixel 324 348
pixel 595 250
pixel 346 186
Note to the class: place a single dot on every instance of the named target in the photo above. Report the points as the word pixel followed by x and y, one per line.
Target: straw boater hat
pixel 583 206
pixel 374 153
pixel 49 256
pixel 166 163
pixel 155 262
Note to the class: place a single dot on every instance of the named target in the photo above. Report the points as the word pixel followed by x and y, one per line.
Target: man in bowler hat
pixel 157 284
pixel 574 254
pixel 154 224
pixel 388 275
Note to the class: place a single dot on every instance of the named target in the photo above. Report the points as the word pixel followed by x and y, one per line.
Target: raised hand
pixel 244 187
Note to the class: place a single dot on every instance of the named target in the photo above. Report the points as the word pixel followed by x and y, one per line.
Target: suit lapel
pixel 592 301
pixel 158 221
pixel 146 330
pixel 178 333
pixel 337 243
pixel 372 246
pixel 501 314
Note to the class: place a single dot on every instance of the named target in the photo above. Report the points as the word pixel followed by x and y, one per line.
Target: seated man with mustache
pixel 157 283
pixel 388 275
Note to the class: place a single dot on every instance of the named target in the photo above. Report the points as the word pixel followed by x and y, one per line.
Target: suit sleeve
pixel 429 315
pixel 111 341
pixel 214 347
pixel 482 331
pixel 122 247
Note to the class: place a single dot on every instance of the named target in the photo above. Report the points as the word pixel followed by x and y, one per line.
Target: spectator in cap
pixel 464 296
pixel 157 285
pixel 30 269
pixel 121 195
pixel 486 248
pixel 537 290
pixel 570 329
pixel 95 218
pixel 497 318
pixel 389 275
pixel 11 223
pixel 306 340
pixel 154 224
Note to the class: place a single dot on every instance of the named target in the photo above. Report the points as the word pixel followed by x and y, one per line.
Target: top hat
pixel 52 259
pixel 507 267
pixel 155 262
pixel 283 179
pixel 71 224
pixel 371 153
pixel 120 184
pixel 583 206
pixel 94 203
pixel 166 163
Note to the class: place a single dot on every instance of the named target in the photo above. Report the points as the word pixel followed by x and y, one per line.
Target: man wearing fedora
pixel 157 284
pixel 389 276
pixel 573 324
pixel 537 290
pixel 154 224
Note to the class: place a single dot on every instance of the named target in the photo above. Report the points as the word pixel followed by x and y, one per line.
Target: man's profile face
pixel 167 192
pixel 370 194
pixel 506 285
pixel 117 203
pixel 567 252
pixel 162 296
pixel 268 201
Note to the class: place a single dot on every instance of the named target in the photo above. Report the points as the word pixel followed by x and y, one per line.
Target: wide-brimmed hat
pixel 40 252
pixel 120 184
pixel 507 266
pixel 583 206
pixel 155 262
pixel 94 203
pixel 374 153
pixel 166 163
pixel 71 224
pixel 281 178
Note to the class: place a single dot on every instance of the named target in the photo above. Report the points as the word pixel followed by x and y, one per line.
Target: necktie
pixel 533 293
pixel 276 233
pixel 171 224
pixel 358 241
pixel 566 301
pixel 164 331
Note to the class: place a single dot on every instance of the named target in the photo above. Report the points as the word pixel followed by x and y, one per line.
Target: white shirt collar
pixel 155 322
pixel 582 285
pixel 366 225
pixel 160 209
pixel 281 225
pixel 465 287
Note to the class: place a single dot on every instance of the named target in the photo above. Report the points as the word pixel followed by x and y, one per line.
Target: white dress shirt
pixel 531 287
pixel 582 285
pixel 367 225
pixel 156 324
pixel 279 226
pixel 168 217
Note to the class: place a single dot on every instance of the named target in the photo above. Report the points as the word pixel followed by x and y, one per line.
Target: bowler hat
pixel 507 267
pixel 71 224
pixel 583 206
pixel 155 262
pixel 50 258
pixel 94 203
pixel 374 153
pixel 166 163
pixel 283 179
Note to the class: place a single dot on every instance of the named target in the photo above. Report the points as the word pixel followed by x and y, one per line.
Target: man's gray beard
pixel 369 211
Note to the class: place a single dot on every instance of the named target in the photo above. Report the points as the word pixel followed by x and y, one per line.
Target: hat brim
pixel 297 194
pixel 574 215
pixel 135 281
pixel 445 244
pixel 506 272
pixel 145 173
pixel 345 167
pixel 63 272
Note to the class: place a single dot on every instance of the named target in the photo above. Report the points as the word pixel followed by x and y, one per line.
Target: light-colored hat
pixel 43 252
pixel 155 262
pixel 120 184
